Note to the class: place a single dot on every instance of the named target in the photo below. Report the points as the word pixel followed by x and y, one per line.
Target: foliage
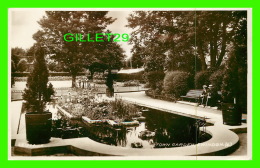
pixel 91 106
pixel 13 69
pixel 137 58
pixel 177 83
pixel 22 65
pixel 230 80
pixel 16 54
pixel 55 66
pixel 122 110
pixel 170 35
pixel 242 86
pixel 188 63
pixel 37 93
pixel 131 83
pixel 240 43
pixel 159 87
pixel 121 77
pixel 235 80
pixel 216 79
pixel 153 77
pixel 202 78
pixel 74 55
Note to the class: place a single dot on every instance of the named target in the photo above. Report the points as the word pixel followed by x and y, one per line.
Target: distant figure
pixel 212 97
pixel 69 95
pixel 88 84
pixel 84 82
pixel 203 96
pixel 87 81
pixel 79 83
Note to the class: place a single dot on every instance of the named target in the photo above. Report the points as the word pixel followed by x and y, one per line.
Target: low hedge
pixel 25 74
pixel 129 77
pixel 154 77
pixel 177 83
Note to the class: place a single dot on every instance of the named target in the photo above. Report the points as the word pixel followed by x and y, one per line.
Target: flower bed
pixel 131 83
pixel 89 104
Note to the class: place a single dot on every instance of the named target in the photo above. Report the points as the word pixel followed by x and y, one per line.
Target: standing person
pixel 83 82
pixel 69 95
pixel 203 96
pixel 79 83
pixel 87 83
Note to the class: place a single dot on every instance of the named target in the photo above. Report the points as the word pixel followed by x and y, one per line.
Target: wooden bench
pixel 193 95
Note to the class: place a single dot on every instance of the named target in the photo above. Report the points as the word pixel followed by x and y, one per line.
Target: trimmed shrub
pixel 129 77
pixel 177 83
pixel 202 78
pixel 22 65
pixel 154 77
pixel 159 87
pixel 216 79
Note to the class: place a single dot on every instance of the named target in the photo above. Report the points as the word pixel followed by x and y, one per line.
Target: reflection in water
pixel 170 131
pixel 106 134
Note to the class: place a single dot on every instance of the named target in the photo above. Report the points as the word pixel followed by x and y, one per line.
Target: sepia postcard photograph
pixel 130 84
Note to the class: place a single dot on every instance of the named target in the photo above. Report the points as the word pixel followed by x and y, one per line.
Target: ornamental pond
pixel 156 129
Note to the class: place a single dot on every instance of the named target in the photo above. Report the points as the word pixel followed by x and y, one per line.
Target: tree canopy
pixel 181 37
pixel 74 55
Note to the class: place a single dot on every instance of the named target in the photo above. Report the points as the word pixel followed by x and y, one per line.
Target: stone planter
pixel 38 127
pixel 230 114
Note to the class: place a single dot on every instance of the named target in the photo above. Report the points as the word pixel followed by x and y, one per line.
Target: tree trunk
pixel 201 56
pixel 200 46
pixel 91 74
pixel 224 44
pixel 74 81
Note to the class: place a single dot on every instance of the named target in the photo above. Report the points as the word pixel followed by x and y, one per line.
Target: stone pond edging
pixel 223 142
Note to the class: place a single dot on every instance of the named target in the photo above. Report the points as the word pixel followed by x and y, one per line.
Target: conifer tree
pixel 37 91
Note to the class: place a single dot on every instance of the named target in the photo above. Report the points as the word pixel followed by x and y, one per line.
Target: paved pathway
pixel 14 112
pixel 213 116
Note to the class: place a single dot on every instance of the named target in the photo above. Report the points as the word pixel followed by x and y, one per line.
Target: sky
pixel 24 24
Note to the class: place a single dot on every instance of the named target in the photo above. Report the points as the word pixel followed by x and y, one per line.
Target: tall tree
pixel 37 91
pixel 110 56
pixel 137 59
pixel 73 54
pixel 181 34
pixel 240 49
